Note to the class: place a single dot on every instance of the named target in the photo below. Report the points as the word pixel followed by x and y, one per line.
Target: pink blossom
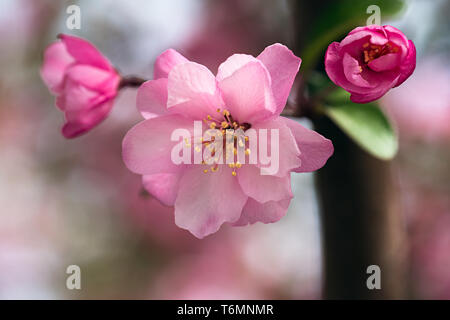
pixel 83 81
pixel 214 272
pixel 253 91
pixel 370 61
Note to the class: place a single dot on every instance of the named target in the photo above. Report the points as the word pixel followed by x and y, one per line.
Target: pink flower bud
pixel 83 81
pixel 370 61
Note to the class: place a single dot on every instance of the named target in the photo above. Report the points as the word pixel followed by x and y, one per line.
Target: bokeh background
pixel 65 202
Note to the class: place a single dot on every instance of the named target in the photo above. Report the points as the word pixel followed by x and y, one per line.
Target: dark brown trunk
pixel 361 222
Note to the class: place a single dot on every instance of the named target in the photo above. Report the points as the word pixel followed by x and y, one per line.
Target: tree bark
pixel 361 222
pixel 361 219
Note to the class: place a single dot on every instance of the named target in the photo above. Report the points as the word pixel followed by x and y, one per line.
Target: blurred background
pixel 65 202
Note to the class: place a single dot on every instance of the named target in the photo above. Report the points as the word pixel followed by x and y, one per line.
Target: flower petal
pixel 398 38
pixel 162 186
pixel 375 34
pixel 384 63
pixel 151 99
pixel 147 147
pixel 94 78
pixel 232 64
pixel 84 52
pixel 85 119
pixel 314 148
pixel 382 88
pixel 283 66
pixel 335 70
pixel 56 60
pixel 206 201
pixel 165 62
pixel 76 98
pixel 263 188
pixel 247 93
pixel 408 65
pixel 288 152
pixel 352 72
pixel 268 212
pixel 192 91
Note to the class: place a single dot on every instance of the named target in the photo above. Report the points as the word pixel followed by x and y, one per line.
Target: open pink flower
pixel 253 92
pixel 83 81
pixel 370 61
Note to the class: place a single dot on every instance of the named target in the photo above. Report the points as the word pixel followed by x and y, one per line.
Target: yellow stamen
pixel 366 56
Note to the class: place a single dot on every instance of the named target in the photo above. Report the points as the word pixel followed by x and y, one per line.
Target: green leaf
pixel 367 125
pixel 337 97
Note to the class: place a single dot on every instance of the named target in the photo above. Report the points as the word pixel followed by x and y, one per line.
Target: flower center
pixel 226 125
pixel 373 51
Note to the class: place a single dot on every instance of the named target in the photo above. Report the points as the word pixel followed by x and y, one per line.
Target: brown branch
pixel 131 81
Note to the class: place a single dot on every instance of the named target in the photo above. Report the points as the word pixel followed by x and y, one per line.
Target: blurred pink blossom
pixel 253 91
pixel 370 61
pixel 252 27
pixel 83 81
pixel 421 107
pixel 216 272
pixel 431 246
